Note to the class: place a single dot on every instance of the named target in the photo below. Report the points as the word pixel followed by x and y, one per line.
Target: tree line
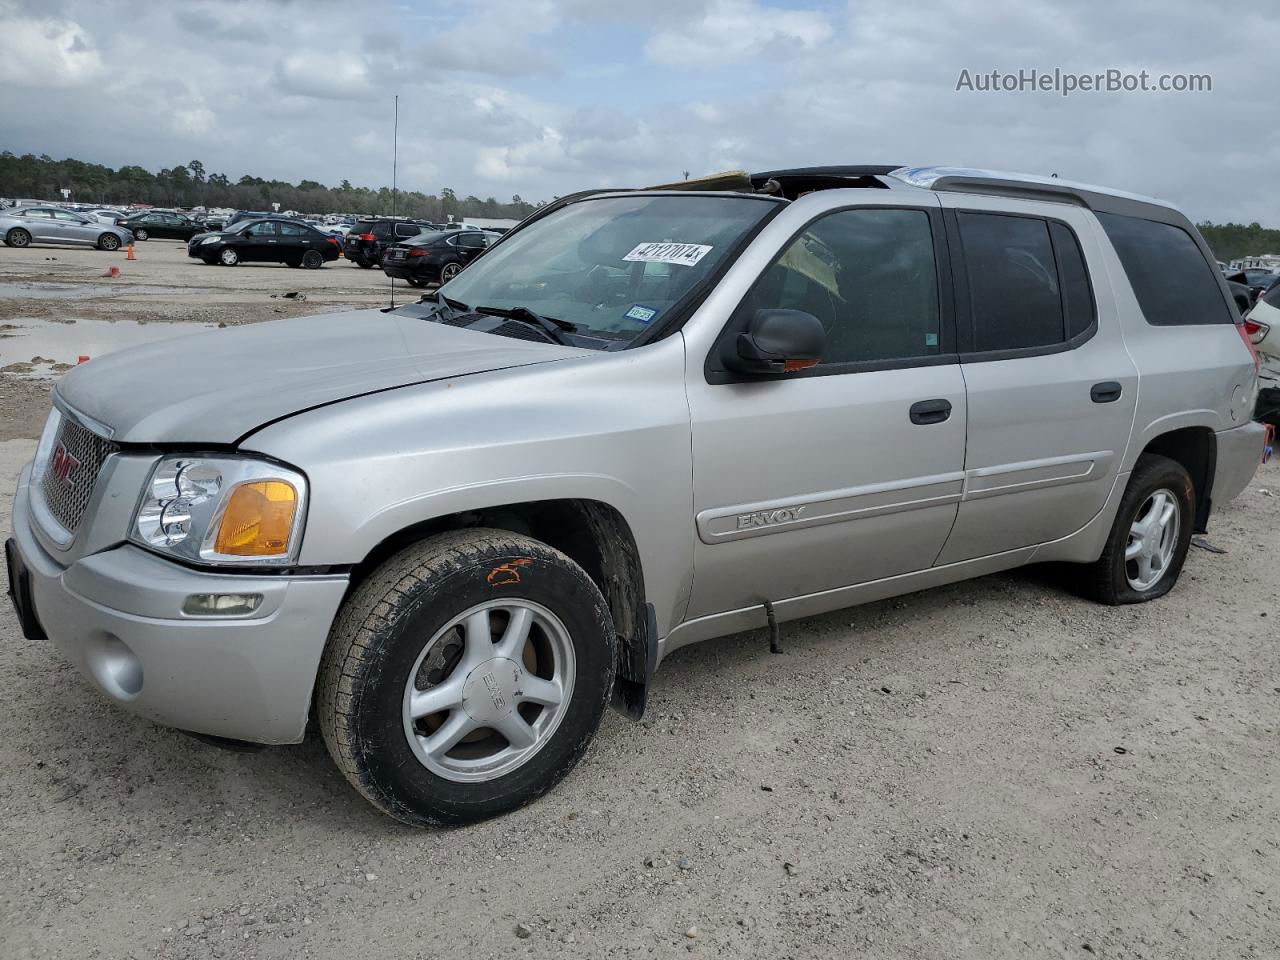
pixel 1228 241
pixel 43 178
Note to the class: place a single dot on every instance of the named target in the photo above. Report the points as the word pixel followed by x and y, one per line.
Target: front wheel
pixel 313 260
pixel 1150 536
pixel 228 257
pixel 141 235
pixel 465 676
pixel 17 237
pixel 108 241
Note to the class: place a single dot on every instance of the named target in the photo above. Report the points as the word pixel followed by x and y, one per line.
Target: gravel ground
pixel 988 770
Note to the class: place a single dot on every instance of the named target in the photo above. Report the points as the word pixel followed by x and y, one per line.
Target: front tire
pixel 141 235
pixel 313 260
pixel 465 677
pixel 228 257
pixel 1150 536
pixel 108 241
pixel 17 237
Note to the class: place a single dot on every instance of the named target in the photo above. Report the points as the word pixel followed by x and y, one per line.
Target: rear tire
pixel 417 281
pixel 365 264
pixel 411 629
pixel 313 260
pixel 1143 556
pixel 108 241
pixel 17 237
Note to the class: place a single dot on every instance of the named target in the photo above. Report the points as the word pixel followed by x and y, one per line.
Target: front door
pixel 264 242
pixel 852 470
pixel 1051 387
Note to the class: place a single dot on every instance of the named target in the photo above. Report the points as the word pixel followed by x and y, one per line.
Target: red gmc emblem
pixel 63 465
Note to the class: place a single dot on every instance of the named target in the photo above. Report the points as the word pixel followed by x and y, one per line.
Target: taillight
pixel 418 252
pixel 332 239
pixel 367 237
pixel 1256 330
pixel 1242 328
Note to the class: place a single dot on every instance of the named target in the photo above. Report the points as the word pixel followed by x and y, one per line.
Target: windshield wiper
pixel 553 327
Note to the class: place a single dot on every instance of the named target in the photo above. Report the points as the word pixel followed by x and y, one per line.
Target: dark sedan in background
pixel 161 225
pixel 434 257
pixel 368 240
pixel 266 241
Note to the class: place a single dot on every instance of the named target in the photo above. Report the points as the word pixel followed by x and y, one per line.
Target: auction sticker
pixel 685 254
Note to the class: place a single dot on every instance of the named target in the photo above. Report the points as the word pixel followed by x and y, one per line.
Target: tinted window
pixel 869 276
pixel 381 229
pixel 45 214
pixel 1174 283
pixel 293 230
pixel 1013 282
pixel 266 228
pixel 407 229
pixel 1077 294
pixel 1272 297
pixel 472 241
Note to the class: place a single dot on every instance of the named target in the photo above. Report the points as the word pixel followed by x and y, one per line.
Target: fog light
pixel 221 604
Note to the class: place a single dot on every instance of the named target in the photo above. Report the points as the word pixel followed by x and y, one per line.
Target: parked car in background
pixel 162 225
pixel 24 226
pixel 1263 328
pixel 241 215
pixel 277 240
pixel 367 240
pixel 210 222
pixel 105 215
pixel 434 257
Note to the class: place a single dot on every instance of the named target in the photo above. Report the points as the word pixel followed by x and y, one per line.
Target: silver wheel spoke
pixel 423 703
pixel 478 639
pixel 516 635
pixel 518 733
pixel 1144 568
pixel 451 731
pixel 536 690
pixel 1134 548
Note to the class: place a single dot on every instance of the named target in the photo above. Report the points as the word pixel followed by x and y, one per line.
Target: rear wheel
pixel 417 281
pixel 1150 536
pixel 449 271
pixel 313 260
pixel 466 676
pixel 17 237
pixel 364 263
pixel 108 241
pixel 141 234
pixel 228 257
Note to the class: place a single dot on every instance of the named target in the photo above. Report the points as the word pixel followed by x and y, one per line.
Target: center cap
pixel 489 692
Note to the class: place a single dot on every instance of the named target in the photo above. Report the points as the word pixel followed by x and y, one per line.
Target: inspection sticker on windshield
pixel 642 313
pixel 685 254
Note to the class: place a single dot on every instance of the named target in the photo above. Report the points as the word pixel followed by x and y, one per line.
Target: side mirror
pixel 778 341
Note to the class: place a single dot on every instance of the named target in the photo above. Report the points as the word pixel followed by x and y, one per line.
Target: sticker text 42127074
pixel 684 254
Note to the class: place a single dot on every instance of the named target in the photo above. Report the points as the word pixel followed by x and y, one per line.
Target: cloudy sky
pixel 540 97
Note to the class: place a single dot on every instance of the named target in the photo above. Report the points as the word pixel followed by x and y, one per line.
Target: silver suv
pixel 452 533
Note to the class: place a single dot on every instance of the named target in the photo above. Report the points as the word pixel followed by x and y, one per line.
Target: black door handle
pixel 930 411
pixel 1106 392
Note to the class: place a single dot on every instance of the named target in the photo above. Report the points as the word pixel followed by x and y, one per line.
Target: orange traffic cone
pixel 131 256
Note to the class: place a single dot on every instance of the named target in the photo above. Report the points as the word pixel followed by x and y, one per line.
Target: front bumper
pixel 117 616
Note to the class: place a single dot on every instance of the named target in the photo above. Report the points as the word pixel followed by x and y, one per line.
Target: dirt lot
pixel 991 770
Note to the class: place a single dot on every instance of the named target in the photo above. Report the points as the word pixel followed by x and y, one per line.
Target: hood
pixel 215 387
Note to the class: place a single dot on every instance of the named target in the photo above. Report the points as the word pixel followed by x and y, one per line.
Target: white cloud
pixel 45 53
pixel 735 31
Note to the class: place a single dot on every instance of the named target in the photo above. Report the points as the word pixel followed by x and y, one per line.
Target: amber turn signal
pixel 258 520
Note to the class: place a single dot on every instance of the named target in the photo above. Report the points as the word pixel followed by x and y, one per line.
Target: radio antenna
pixel 395 158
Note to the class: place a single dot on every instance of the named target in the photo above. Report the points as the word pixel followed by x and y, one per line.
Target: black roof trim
pixel 854 171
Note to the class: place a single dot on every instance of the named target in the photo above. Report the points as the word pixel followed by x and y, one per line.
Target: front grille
pixel 72 470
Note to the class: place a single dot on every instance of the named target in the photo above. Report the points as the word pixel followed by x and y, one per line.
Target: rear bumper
pixel 117 616
pixel 407 269
pixel 1239 453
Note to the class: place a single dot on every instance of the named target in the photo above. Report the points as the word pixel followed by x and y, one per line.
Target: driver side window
pixel 870 276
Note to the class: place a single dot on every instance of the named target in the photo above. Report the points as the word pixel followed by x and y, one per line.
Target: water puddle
pixel 43 348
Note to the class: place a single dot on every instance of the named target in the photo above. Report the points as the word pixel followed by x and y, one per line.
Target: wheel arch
pixel 597 537
pixel 1196 448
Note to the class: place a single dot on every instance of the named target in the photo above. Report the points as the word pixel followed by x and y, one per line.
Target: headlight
pixel 222 510
pixel 209 240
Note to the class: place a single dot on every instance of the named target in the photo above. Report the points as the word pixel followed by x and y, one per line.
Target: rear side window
pixel 1014 293
pixel 408 229
pixel 1174 283
pixel 1077 296
pixel 1272 297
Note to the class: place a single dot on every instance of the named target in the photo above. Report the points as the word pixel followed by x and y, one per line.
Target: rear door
pixel 1051 387
pixel 294 241
pixel 72 228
